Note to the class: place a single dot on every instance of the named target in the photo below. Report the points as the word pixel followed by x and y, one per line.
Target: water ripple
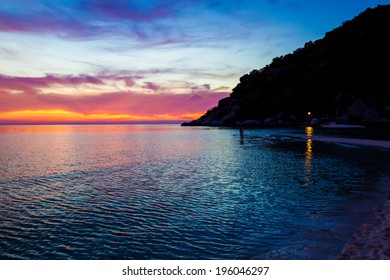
pixel 178 194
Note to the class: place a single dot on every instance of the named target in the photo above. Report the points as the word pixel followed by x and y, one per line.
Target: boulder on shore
pixel 250 123
pixel 315 121
pixel 270 121
pixel 357 109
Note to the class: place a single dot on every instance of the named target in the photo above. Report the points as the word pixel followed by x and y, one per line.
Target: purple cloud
pixel 152 86
pixel 88 18
pixel 114 103
pixel 47 23
pixel 78 19
pixel 24 93
pixel 201 88
pixel 32 85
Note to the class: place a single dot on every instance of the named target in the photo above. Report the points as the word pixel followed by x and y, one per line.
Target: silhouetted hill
pixel 343 77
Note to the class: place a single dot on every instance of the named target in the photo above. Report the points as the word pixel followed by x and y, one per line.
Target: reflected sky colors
pixel 97 60
pixel 169 192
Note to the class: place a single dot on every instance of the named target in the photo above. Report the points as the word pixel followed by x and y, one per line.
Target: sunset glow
pixel 61 116
pixel 120 61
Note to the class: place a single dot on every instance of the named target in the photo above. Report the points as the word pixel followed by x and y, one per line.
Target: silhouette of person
pixel 241 131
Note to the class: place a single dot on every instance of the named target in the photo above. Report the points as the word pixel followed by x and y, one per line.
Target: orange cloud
pixel 29 99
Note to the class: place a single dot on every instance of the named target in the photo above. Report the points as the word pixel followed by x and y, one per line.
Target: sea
pixel 147 192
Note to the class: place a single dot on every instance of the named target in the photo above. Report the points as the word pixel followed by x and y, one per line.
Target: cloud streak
pixel 20 94
pixel 157 23
pixel 47 23
pixel 91 18
pixel 32 85
pixel 129 10
pixel 114 103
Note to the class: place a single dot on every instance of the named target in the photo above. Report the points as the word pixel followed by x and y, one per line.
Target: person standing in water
pixel 241 131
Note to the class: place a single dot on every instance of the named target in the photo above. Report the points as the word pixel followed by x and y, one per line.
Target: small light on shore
pixel 308 113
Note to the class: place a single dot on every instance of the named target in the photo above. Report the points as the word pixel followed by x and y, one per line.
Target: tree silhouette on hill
pixel 342 77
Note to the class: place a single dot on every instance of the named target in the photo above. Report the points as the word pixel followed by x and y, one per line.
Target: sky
pixel 71 61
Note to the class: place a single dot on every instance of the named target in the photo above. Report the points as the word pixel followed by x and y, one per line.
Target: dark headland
pixel 343 78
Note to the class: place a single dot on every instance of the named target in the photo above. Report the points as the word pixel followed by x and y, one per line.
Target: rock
pixel 250 123
pixel 292 117
pixel 216 123
pixel 231 115
pixel 344 119
pixel 233 102
pixel 269 121
pixel 192 123
pixel 357 109
pixel 383 120
pixel 212 117
pixel 224 102
pixel 315 121
pixel 223 111
pixel 360 110
pixel 370 115
pixel 279 115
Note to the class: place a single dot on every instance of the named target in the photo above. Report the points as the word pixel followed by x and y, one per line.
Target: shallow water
pixel 171 192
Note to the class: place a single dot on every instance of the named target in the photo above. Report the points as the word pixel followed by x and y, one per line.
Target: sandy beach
pixel 343 140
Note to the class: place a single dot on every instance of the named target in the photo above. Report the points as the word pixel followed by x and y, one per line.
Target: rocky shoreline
pixel 228 113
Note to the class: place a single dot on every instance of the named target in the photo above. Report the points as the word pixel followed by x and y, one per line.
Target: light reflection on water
pixel 308 155
pixel 167 192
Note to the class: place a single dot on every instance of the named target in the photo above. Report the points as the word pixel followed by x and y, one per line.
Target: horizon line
pixel 95 123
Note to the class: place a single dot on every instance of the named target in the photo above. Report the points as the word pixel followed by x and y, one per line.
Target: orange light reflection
pixel 308 156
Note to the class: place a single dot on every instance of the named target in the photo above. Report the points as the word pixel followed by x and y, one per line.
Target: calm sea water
pixel 169 192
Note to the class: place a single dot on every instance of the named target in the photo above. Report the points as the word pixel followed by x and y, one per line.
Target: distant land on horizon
pixel 342 78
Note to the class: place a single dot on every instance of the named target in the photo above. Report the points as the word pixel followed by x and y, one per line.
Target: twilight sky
pixel 144 60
